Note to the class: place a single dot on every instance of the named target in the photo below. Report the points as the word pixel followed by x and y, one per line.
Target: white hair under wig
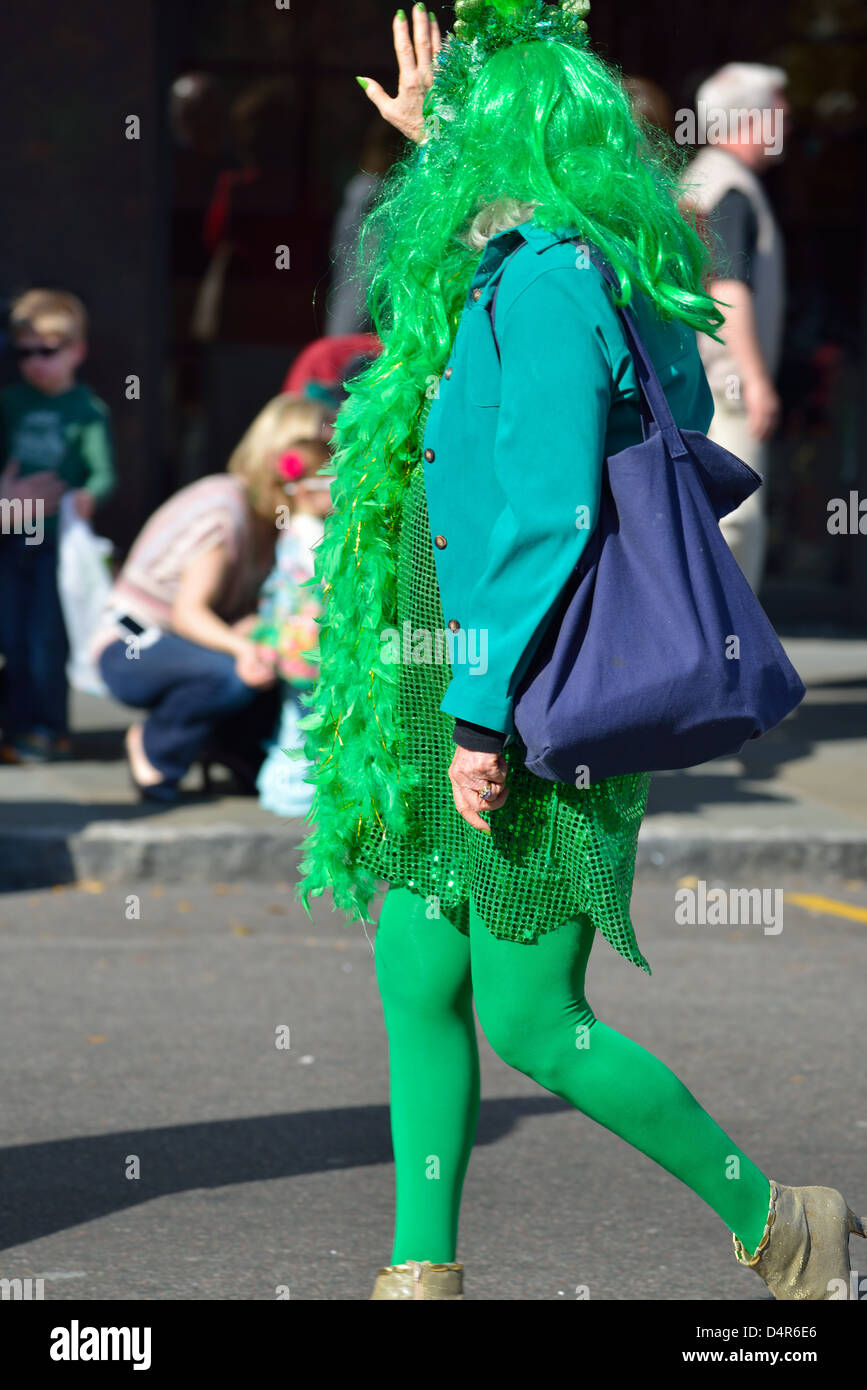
pixel 736 87
pixel 496 217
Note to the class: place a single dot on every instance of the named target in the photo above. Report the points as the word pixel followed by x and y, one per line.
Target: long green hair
pixel 545 123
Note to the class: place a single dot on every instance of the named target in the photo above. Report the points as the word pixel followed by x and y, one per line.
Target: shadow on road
pixel 805 729
pixel 60 1184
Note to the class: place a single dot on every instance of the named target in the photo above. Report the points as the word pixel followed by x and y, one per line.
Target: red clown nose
pixel 292 465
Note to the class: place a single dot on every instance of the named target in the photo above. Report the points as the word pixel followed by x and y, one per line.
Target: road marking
pixel 814 902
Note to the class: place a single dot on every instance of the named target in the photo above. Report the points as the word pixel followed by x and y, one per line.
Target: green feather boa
pixel 572 147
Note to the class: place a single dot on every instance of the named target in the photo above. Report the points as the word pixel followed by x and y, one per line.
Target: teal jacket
pixel 513 446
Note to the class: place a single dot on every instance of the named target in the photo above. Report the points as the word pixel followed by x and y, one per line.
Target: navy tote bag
pixel 659 656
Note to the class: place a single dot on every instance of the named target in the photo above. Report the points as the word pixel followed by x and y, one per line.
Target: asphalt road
pixel 138 1028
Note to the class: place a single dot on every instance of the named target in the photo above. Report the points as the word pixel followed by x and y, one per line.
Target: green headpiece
pixel 526 18
pixel 483 26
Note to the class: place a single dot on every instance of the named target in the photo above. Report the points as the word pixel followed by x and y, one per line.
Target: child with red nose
pixel 288 612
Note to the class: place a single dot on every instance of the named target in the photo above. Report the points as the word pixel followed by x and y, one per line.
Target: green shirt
pixel 69 434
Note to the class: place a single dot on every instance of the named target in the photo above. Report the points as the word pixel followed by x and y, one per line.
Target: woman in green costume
pixel 461 463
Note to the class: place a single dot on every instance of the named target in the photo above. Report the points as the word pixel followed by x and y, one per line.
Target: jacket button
pixel 440 542
pixel 429 455
pixel 453 624
pixel 447 373
pixel 477 293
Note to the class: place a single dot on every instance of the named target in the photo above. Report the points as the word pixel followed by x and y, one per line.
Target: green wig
pixel 521 113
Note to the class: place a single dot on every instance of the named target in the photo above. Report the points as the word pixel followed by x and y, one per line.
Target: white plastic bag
pixel 84 582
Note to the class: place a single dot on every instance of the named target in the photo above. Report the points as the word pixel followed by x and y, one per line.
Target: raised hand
pixel 415 73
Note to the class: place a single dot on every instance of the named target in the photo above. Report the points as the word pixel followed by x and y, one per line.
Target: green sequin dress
pixel 555 851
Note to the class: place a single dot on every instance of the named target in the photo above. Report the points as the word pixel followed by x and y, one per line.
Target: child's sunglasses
pixel 42 351
pixel 318 482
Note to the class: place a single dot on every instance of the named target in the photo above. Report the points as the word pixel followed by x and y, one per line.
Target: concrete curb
pixel 729 852
pixel 124 851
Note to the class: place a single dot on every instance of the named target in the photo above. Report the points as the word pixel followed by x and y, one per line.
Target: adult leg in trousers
pixel 187 688
pixel 746 528
pixel 533 1010
pixel 423 974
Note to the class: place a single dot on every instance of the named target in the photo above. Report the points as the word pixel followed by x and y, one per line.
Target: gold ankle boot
pixel 804 1251
pixel 419 1279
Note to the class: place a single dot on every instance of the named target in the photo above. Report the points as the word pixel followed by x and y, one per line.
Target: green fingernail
pixel 362 81
pixel 400 15
pixel 420 5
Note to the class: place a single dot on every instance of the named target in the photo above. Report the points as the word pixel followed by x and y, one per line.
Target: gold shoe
pixel 419 1279
pixel 804 1251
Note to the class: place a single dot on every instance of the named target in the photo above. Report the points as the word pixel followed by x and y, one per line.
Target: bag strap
pixel 651 386
pixel 653 404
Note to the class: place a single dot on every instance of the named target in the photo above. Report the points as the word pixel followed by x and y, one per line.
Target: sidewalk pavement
pixel 794 800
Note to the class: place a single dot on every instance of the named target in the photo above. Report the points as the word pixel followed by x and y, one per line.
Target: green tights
pixel 532 1008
